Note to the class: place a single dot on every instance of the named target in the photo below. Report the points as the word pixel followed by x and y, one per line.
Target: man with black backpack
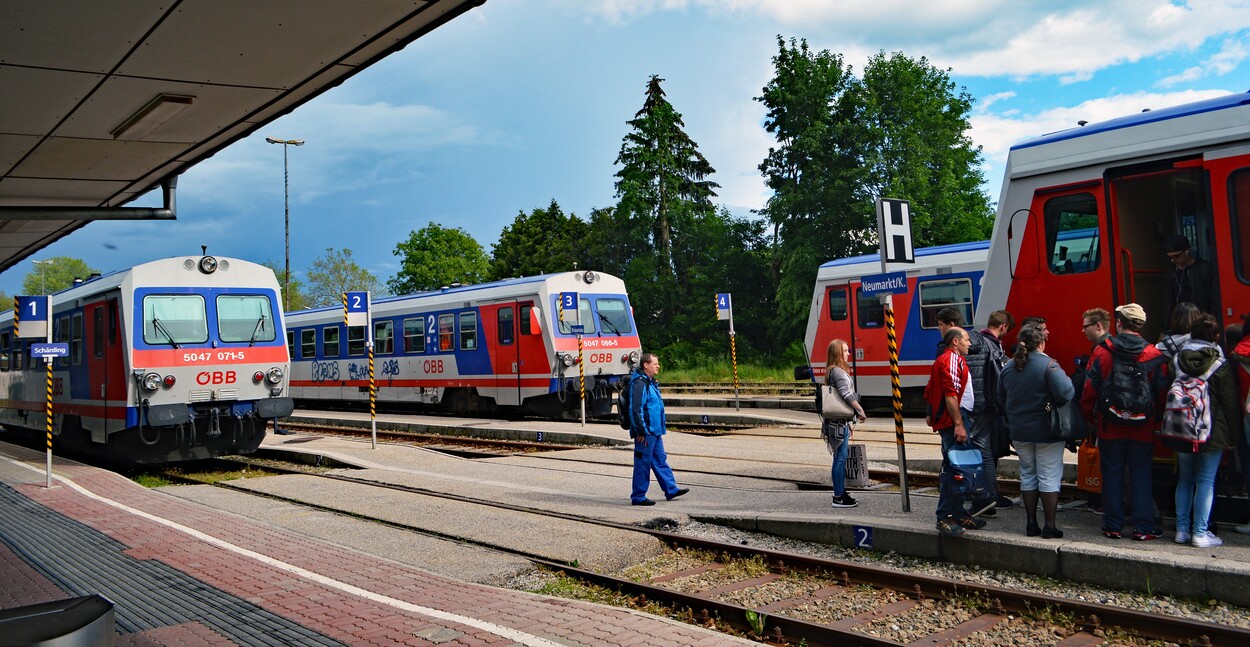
pixel 1123 395
pixel 989 429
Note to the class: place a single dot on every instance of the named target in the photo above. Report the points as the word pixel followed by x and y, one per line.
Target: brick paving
pixel 342 595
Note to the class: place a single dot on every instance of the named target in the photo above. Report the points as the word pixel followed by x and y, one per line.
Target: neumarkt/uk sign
pixel 888 283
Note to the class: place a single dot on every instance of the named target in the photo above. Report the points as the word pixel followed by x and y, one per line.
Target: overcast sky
pixel 519 102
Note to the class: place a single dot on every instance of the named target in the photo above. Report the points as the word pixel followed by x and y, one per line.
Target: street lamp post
pixel 286 211
pixel 43 284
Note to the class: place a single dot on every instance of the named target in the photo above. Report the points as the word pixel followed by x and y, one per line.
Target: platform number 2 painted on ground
pixel 863 536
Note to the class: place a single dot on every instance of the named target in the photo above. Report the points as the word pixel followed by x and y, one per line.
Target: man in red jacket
pixel 949 396
pixel 1126 409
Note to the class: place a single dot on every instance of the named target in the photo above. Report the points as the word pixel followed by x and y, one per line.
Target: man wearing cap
pixel 1124 441
pixel 1189 278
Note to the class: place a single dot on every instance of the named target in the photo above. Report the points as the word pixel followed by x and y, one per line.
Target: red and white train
pixel 176 359
pixel 474 348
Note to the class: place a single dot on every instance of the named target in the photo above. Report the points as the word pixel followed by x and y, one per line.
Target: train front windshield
pixel 610 315
pixel 183 319
pixel 174 319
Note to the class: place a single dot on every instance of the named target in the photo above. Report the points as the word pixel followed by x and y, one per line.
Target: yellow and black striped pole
pixel 581 377
pixel 373 398
pixel 896 389
pixel 17 319
pixel 345 310
pixel 48 361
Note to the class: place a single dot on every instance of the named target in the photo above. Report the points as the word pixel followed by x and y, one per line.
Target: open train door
pixel 1148 203
pixel 507 367
pixel 106 370
pixel 1228 175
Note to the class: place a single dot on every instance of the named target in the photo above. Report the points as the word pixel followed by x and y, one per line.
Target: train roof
pixel 931 255
pixel 502 285
pixel 1222 121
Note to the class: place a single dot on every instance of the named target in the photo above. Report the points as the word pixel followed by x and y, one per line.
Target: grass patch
pixel 722 371
pixel 149 480
pixel 207 475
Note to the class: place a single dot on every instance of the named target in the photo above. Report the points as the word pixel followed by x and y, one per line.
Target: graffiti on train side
pixel 325 371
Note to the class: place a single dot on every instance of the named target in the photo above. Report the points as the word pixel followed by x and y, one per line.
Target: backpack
pixel 1187 418
pixel 967 471
pixel 622 403
pixel 1126 396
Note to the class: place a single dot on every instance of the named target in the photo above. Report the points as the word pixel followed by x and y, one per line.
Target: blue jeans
pixel 649 457
pixel 1195 488
pixel 981 434
pixel 1136 455
pixel 838 472
pixel 950 502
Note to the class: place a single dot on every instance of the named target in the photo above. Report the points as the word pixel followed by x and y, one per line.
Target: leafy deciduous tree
pixel 55 274
pixel 436 256
pixel 295 298
pixel 334 273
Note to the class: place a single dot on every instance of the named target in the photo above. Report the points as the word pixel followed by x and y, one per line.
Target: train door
pixel 838 311
pixel 868 341
pixel 1146 205
pixel 105 367
pixel 1228 174
pixel 507 367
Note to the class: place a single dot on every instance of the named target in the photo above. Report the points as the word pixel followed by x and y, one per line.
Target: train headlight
pixel 565 359
pixel 169 381
pixel 208 265
pixel 631 358
pixel 151 381
pixel 275 375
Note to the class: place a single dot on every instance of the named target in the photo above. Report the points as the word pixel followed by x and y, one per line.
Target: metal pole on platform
pixel 48 362
pixel 581 377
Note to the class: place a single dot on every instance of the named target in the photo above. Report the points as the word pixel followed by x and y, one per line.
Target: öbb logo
pixel 215 377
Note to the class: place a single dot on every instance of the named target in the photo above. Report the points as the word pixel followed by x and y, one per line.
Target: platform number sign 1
pixel 30 317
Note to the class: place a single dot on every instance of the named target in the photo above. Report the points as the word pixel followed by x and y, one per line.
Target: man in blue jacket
pixel 646 426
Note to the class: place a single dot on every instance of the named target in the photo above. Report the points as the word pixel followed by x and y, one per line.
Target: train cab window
pixel 870 313
pixel 355 341
pixel 1072 234
pixel 4 351
pixel 613 315
pixel 585 317
pixel 174 319
pixel 330 341
pixel 112 322
pixel 290 344
pixel 1239 205
pixel 837 304
pixel 308 343
pixel 468 331
pixel 245 318
pixel 446 332
pixel 60 335
pixel 935 295
pixel 506 326
pixel 526 318
pixel 383 337
pixel 97 333
pixel 414 335
pixel 76 339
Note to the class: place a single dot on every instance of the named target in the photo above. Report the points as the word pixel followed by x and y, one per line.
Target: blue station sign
pixel 60 349
pixel 888 283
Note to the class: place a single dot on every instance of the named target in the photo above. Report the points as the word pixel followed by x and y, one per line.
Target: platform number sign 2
pixel 356 308
pixel 863 536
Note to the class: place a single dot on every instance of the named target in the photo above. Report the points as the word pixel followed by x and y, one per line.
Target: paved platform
pixel 182 573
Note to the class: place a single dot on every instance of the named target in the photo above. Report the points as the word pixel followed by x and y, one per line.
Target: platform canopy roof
pixel 104 100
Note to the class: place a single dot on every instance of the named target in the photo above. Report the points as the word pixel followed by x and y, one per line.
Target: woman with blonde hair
pixel 837 433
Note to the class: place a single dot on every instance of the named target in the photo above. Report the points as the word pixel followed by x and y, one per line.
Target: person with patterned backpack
pixel 1199 422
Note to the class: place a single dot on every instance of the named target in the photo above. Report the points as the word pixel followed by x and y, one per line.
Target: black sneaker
pixel 983 509
pixel 844 501
pixel 972 523
pixel 1003 502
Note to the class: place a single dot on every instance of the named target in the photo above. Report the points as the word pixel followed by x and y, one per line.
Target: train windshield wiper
pixel 156 323
pixel 260 325
pixel 608 323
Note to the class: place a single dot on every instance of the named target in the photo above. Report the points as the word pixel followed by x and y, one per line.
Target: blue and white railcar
pixel 176 359
pixel 474 348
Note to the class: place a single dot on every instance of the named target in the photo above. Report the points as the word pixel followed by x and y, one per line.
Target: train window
pixel 97 333
pixel 526 318
pixel 837 304
pixel 308 343
pixel 112 322
pixel 355 341
pixel 60 334
pixel 584 317
pixel 414 335
pixel 330 341
pixel 384 337
pixel 4 351
pixel 1072 234
pixel 174 319
pixel 245 318
pixel 468 331
pixel 16 357
pixel 506 326
pixel 446 326
pixel 290 344
pixel 869 310
pixel 935 295
pixel 76 338
pixel 1239 203
pixel 613 315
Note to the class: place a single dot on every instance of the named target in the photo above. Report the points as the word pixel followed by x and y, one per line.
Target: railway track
pixel 787 598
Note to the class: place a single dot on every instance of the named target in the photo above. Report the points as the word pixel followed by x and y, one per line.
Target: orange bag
pixel 1088 468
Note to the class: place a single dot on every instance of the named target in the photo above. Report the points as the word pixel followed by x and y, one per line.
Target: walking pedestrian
pixel 647 426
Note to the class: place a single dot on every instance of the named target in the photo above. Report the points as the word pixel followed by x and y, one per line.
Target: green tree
pixel 543 241
pixel 55 274
pixel 662 190
pixel 294 298
pixel 813 173
pixel 436 256
pixel 6 301
pixel 334 273
pixel 915 125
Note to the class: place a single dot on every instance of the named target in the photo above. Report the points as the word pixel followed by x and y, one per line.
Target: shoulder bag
pixel 1062 425
pixel 832 405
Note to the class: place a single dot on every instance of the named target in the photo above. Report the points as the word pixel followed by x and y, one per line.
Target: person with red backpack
pixel 1199 424
pixel 1122 399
